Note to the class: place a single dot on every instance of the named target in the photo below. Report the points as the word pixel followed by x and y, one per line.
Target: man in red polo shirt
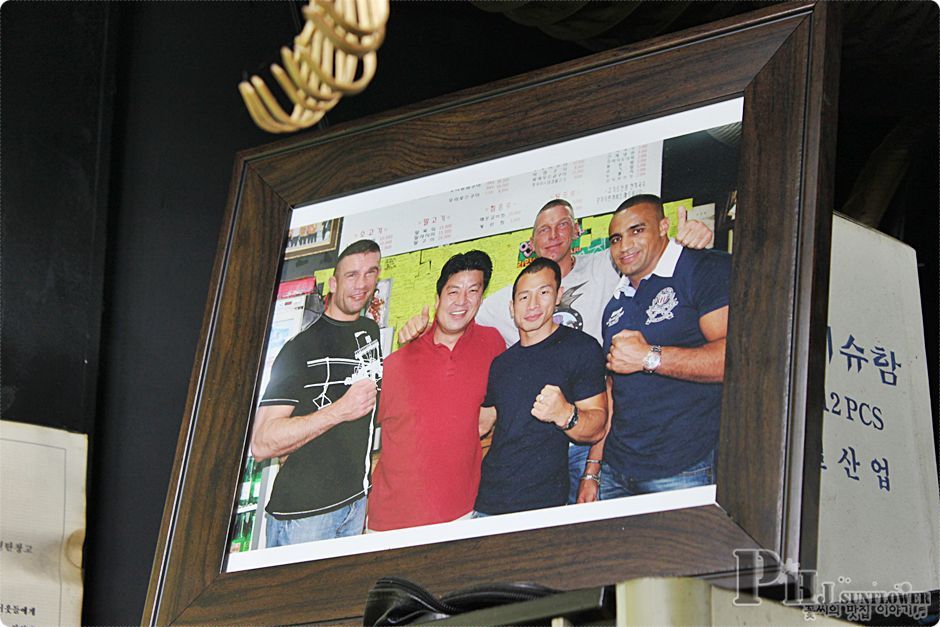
pixel 432 389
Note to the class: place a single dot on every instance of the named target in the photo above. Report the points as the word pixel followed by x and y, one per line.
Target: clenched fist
pixel 358 400
pixel 627 350
pixel 551 406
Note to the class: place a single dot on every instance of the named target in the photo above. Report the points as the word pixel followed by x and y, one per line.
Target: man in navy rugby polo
pixel 664 333
pixel 317 412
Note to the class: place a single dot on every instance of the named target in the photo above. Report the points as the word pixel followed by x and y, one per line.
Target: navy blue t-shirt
pixel 661 425
pixel 527 464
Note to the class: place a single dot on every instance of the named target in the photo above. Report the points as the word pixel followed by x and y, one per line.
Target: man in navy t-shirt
pixel 664 333
pixel 545 390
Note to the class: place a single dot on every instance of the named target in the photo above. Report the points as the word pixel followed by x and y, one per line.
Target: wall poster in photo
pixel 689 159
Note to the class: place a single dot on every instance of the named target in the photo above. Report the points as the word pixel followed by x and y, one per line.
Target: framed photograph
pixel 491 206
pixel 307 239
pixel 767 80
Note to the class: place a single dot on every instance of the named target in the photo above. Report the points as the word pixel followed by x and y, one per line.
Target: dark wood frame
pixel 784 61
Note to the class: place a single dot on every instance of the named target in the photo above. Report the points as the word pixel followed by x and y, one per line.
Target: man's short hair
pixel 358 248
pixel 538 264
pixel 556 202
pixel 643 199
pixel 463 262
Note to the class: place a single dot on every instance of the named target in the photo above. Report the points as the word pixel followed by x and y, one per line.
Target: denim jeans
pixel 615 485
pixel 348 520
pixel 577 455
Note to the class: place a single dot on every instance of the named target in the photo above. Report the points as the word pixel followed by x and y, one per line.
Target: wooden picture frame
pixel 784 62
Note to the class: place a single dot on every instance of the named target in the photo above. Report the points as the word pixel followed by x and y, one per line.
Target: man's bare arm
pixel 277 433
pixel 703 364
pixel 589 489
pixel 487 420
pixel 592 420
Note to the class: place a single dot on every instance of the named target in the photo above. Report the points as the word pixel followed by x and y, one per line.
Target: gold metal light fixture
pixel 332 56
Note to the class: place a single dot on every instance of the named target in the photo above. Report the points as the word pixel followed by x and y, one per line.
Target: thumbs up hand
pixel 692 233
pixel 415 327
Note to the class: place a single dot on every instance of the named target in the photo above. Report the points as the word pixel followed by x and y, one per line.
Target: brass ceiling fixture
pixel 333 55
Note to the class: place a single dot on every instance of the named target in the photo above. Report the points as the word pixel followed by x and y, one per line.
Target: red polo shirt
pixel 429 470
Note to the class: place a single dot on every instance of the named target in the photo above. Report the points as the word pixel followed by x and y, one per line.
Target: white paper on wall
pixel 42 524
pixel 879 518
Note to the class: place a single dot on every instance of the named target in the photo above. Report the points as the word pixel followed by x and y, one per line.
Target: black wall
pixel 165 74
pixel 120 122
pixel 56 122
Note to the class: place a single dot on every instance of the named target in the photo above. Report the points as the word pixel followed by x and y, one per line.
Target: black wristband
pixel 572 421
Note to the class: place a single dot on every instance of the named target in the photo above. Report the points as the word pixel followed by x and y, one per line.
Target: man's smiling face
pixel 534 301
pixel 554 231
pixel 353 284
pixel 459 301
pixel 638 237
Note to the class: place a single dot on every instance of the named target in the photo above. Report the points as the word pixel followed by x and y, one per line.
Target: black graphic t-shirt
pixel 312 371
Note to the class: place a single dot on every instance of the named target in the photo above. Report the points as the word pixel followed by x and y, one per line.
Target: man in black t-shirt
pixel 317 412
pixel 527 398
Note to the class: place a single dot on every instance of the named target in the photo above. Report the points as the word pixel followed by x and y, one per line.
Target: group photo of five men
pixel 598 376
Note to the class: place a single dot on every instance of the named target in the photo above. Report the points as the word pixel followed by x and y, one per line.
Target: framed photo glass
pixel 491 206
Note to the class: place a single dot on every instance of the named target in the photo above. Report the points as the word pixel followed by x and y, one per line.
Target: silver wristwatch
pixel 653 359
